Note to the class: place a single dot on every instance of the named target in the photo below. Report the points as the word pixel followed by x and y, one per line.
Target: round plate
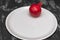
pixel 21 25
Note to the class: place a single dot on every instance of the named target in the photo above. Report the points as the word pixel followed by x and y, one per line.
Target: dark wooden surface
pixel 6 6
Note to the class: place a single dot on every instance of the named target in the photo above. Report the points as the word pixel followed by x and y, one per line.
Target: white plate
pixel 21 25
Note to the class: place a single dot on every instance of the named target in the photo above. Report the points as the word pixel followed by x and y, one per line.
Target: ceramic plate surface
pixel 21 25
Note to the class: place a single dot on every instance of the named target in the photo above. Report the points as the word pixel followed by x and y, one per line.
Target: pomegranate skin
pixel 35 10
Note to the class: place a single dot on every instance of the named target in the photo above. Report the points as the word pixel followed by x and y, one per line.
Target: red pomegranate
pixel 35 9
